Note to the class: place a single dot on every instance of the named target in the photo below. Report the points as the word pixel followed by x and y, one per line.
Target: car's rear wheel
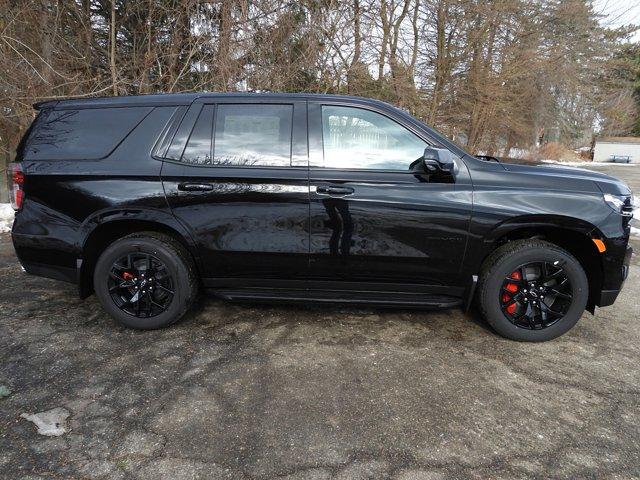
pixel 532 290
pixel 145 280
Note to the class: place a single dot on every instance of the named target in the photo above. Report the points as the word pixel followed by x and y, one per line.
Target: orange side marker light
pixel 599 244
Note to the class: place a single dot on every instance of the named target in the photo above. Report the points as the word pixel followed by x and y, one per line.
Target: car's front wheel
pixel 532 290
pixel 145 280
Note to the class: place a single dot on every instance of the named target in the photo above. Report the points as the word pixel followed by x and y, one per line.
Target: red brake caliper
pixel 127 275
pixel 512 288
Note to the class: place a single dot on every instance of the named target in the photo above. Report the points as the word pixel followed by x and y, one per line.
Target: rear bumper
pixel 46 257
pixel 608 296
pixel 51 271
pixel 46 242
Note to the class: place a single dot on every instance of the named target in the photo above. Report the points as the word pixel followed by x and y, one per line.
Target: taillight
pixel 16 185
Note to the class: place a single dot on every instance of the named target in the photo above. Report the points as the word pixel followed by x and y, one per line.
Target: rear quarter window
pixel 82 134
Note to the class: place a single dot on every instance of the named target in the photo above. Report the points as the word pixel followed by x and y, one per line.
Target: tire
pixel 175 273
pixel 501 267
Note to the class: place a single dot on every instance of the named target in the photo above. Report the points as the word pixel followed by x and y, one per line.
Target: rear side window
pixel 198 149
pixel 26 138
pixel 253 135
pixel 84 134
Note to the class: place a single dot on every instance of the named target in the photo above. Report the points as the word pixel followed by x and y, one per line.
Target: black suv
pixel 147 199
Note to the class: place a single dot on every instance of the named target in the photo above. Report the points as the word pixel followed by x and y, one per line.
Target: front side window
pixel 253 135
pixel 355 138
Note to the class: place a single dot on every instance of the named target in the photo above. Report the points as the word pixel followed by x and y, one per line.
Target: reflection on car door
pixel 244 195
pixel 376 223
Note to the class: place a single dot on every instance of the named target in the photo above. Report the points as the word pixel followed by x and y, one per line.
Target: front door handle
pixel 195 187
pixel 331 190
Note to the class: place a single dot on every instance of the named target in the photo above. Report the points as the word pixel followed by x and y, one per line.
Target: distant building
pixel 619 149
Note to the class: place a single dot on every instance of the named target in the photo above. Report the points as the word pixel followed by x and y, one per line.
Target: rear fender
pixel 124 221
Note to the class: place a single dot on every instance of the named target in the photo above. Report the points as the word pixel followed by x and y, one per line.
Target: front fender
pixel 486 236
pixel 541 222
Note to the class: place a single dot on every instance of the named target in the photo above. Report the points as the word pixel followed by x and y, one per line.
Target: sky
pixel 619 12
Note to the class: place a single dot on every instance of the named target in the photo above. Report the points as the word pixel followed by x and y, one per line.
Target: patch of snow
pixel 587 164
pixel 51 423
pixel 6 217
pixel 4 391
pixel 518 153
pixel 635 231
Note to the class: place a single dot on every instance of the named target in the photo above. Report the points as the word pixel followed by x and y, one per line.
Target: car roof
pixel 187 98
pixel 173 99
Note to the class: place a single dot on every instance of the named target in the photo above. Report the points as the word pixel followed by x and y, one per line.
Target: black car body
pixel 274 197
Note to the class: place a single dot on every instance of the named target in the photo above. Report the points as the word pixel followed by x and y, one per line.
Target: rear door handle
pixel 195 187
pixel 331 190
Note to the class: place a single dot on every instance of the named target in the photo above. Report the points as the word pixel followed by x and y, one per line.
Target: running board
pixel 391 299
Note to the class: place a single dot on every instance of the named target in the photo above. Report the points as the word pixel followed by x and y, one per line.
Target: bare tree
pixel 492 74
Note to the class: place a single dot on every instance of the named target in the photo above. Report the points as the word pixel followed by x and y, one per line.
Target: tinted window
pixel 82 134
pixel 169 130
pixel 28 135
pixel 258 135
pixel 198 150
pixel 362 139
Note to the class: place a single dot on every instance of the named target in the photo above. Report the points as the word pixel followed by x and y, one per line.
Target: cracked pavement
pixel 312 392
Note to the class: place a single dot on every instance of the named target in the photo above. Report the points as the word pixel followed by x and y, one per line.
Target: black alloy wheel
pixel 145 280
pixel 532 290
pixel 536 295
pixel 141 285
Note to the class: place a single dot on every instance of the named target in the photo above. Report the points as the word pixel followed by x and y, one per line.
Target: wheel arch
pixel 104 229
pixel 573 235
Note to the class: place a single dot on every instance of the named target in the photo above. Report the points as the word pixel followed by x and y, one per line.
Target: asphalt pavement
pixel 249 391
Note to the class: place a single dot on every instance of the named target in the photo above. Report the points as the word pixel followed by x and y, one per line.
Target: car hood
pixel 606 183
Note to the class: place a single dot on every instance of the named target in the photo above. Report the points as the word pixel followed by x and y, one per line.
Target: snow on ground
pixel 554 163
pixel 635 231
pixel 6 217
pixel 51 423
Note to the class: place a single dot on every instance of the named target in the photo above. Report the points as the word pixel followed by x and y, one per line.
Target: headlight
pixel 619 203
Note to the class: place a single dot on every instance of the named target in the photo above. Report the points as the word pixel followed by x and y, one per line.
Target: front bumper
pixel 608 297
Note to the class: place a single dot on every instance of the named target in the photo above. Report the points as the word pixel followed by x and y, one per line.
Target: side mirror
pixel 438 160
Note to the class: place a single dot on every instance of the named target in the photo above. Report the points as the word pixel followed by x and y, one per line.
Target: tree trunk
pixel 145 86
pixel 397 75
pixel 223 59
pixel 354 69
pixel 385 40
pixel 87 35
pixel 112 55
pixel 440 61
pixel 46 25
pixel 416 38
